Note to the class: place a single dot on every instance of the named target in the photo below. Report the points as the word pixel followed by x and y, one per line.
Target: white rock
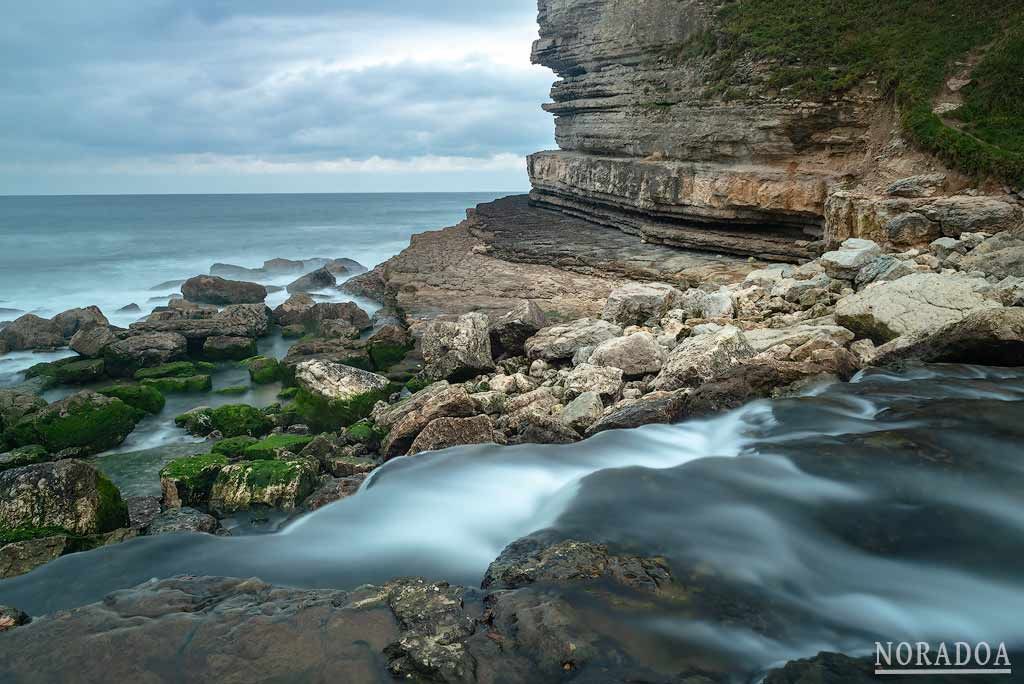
pixel 702 358
pixel 851 256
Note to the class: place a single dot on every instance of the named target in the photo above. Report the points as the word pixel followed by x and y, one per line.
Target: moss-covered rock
pixel 234 447
pixel 233 391
pixel 143 397
pixel 188 481
pixel 273 483
pixel 189 385
pixel 86 422
pixel 178 369
pixel 365 432
pixel 293 332
pixel 273 446
pixel 71 371
pixel 288 393
pixel 418 383
pixel 23 456
pixel 264 371
pixel 233 420
pixel 221 348
pixel 325 415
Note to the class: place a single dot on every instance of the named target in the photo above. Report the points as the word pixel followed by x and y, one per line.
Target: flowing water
pixel 887 508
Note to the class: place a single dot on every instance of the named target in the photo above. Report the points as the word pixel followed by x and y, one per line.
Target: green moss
pixel 819 49
pixel 84 424
pixel 112 513
pixel 23 534
pixel 269 447
pixel 365 432
pixel 324 415
pixel 417 384
pixel 234 447
pixel 181 385
pixel 239 389
pixel 237 420
pixel 23 456
pixel 177 369
pixel 143 397
pixel 71 371
pixel 267 473
pixel 288 393
pixel 386 355
pixel 194 477
pixel 263 371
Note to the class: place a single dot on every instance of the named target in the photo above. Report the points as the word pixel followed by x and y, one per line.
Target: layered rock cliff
pixel 654 142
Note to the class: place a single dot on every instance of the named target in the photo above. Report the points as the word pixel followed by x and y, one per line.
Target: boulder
pixel 229 348
pixel 125 357
pixel 12 617
pixel 321 279
pixel 15 405
pixel 142 510
pixel 911 305
pixel 334 395
pixel 582 412
pixel 884 268
pixel 986 337
pixel 187 482
pixel 73 320
pixel 457 350
pixel 274 483
pixel 216 290
pixel 701 358
pixel 233 420
pixel 347 312
pixel 92 342
pixel 853 255
pixel 637 303
pixel 604 381
pixel 22 557
pixel 70 495
pixel 175 520
pixel 510 332
pixel 925 185
pixel 263 370
pixel 253 318
pixel 635 355
pixel 763 339
pixel 293 310
pixel 911 229
pixel 1001 256
pixel 696 303
pixel 967 214
pixel 443 433
pixel 405 421
pixel 388 346
pixel 561 342
pixel 653 408
pixel 83 424
pixel 32 332
pixel 141 397
pixel 333 489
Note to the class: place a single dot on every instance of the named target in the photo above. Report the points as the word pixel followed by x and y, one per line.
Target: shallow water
pixel 888 508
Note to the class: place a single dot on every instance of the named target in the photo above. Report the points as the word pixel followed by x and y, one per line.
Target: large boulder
pixel 1001 256
pixel 986 337
pixel 457 350
pixel 911 305
pixel 69 495
pixel 389 345
pixel 347 312
pixel 274 483
pixel 254 318
pixel 224 348
pixel 510 332
pixel 701 358
pixel 15 405
pixel 186 482
pixel 82 424
pixel 561 342
pixel 293 310
pixel 653 408
pixel 637 303
pixel 73 320
pixel 31 332
pixel 92 342
pixel 635 355
pixel 125 357
pixel 176 520
pixel 321 279
pixel 582 412
pixel 443 433
pixel 215 290
pixel 334 395
pixel 762 339
pixel 853 255
pixel 405 421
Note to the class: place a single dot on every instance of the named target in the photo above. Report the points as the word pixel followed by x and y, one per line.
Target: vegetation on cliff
pixel 823 48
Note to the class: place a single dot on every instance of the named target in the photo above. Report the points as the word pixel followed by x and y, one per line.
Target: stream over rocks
pixel 887 509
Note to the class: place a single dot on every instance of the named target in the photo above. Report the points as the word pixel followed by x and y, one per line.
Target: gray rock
pixel 347 312
pixel 636 355
pixel 224 348
pixel 637 303
pixel 73 320
pixel 510 332
pixel 853 255
pixel 175 520
pixel 703 304
pixel 911 305
pixel 1000 256
pixel 988 337
pixel 702 358
pixel 216 290
pixel 293 310
pixel 911 229
pixel 884 268
pixel 405 421
pixel 251 319
pixel 604 381
pixel 332 490
pixel 31 332
pixel 321 279
pixel 92 342
pixel 142 510
pixel 334 381
pixel 124 357
pixel 561 342
pixel 925 185
pixel 15 405
pixel 443 433
pixel 457 350
pixel 656 408
pixel 763 339
pixel 582 412
pixel 966 214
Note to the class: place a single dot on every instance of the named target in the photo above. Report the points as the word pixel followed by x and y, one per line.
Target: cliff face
pixel 646 148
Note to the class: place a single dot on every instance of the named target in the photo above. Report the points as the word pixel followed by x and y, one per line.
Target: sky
pixel 222 96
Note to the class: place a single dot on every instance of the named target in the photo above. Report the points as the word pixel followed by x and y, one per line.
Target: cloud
pixel 253 87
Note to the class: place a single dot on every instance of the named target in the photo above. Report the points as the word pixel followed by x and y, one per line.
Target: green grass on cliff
pixel 823 48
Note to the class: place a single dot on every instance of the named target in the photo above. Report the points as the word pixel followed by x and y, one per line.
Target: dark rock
pixel 283 266
pixel 828 668
pixel 408 419
pixel 443 433
pixel 988 337
pixel 130 309
pixel 347 312
pixel 32 332
pixel 232 271
pixel 510 332
pixel 334 489
pixel 22 557
pixel 292 311
pixel 11 618
pixel 184 519
pixel 124 357
pixel 321 279
pixel 654 408
pixel 73 320
pixel 215 290
pixel 15 405
pixel 142 510
pixel 229 348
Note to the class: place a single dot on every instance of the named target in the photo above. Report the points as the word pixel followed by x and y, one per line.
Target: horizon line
pixel 242 194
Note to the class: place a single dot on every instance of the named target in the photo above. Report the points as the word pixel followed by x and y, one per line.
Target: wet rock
pixel 73 320
pixel 263 371
pixel 274 483
pixel 83 424
pixel 914 304
pixel 702 358
pixel 293 310
pixel 853 255
pixel 582 412
pixel 216 290
pixel 434 626
pixel 333 490
pixel 336 382
pixel 405 421
pixel 70 495
pixel 32 332
pixel 321 279
pixel 175 520
pixel 510 332
pixel 23 456
pixel 70 371
pixel 342 351
pixel 650 409
pixel 347 312
pixel 561 342
pixel 635 355
pixel 696 303
pixel 15 405
pixel 253 319
pixel 603 380
pixel 987 337
pixel 637 303
pixel 536 426
pixel 443 433
pixel 531 560
pixel 186 482
pixel 827 668
pixel 125 357
pixel 92 342
pixel 457 350
pixel 388 346
pixel 11 618
pixel 229 348
pixel 142 510
pixel 130 309
pixel 19 558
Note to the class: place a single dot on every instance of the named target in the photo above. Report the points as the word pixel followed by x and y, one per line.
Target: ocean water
pixel 57 253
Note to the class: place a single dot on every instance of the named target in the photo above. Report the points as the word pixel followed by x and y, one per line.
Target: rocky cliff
pixel 655 140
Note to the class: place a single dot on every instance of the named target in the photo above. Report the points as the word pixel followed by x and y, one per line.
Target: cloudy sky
pixel 128 96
